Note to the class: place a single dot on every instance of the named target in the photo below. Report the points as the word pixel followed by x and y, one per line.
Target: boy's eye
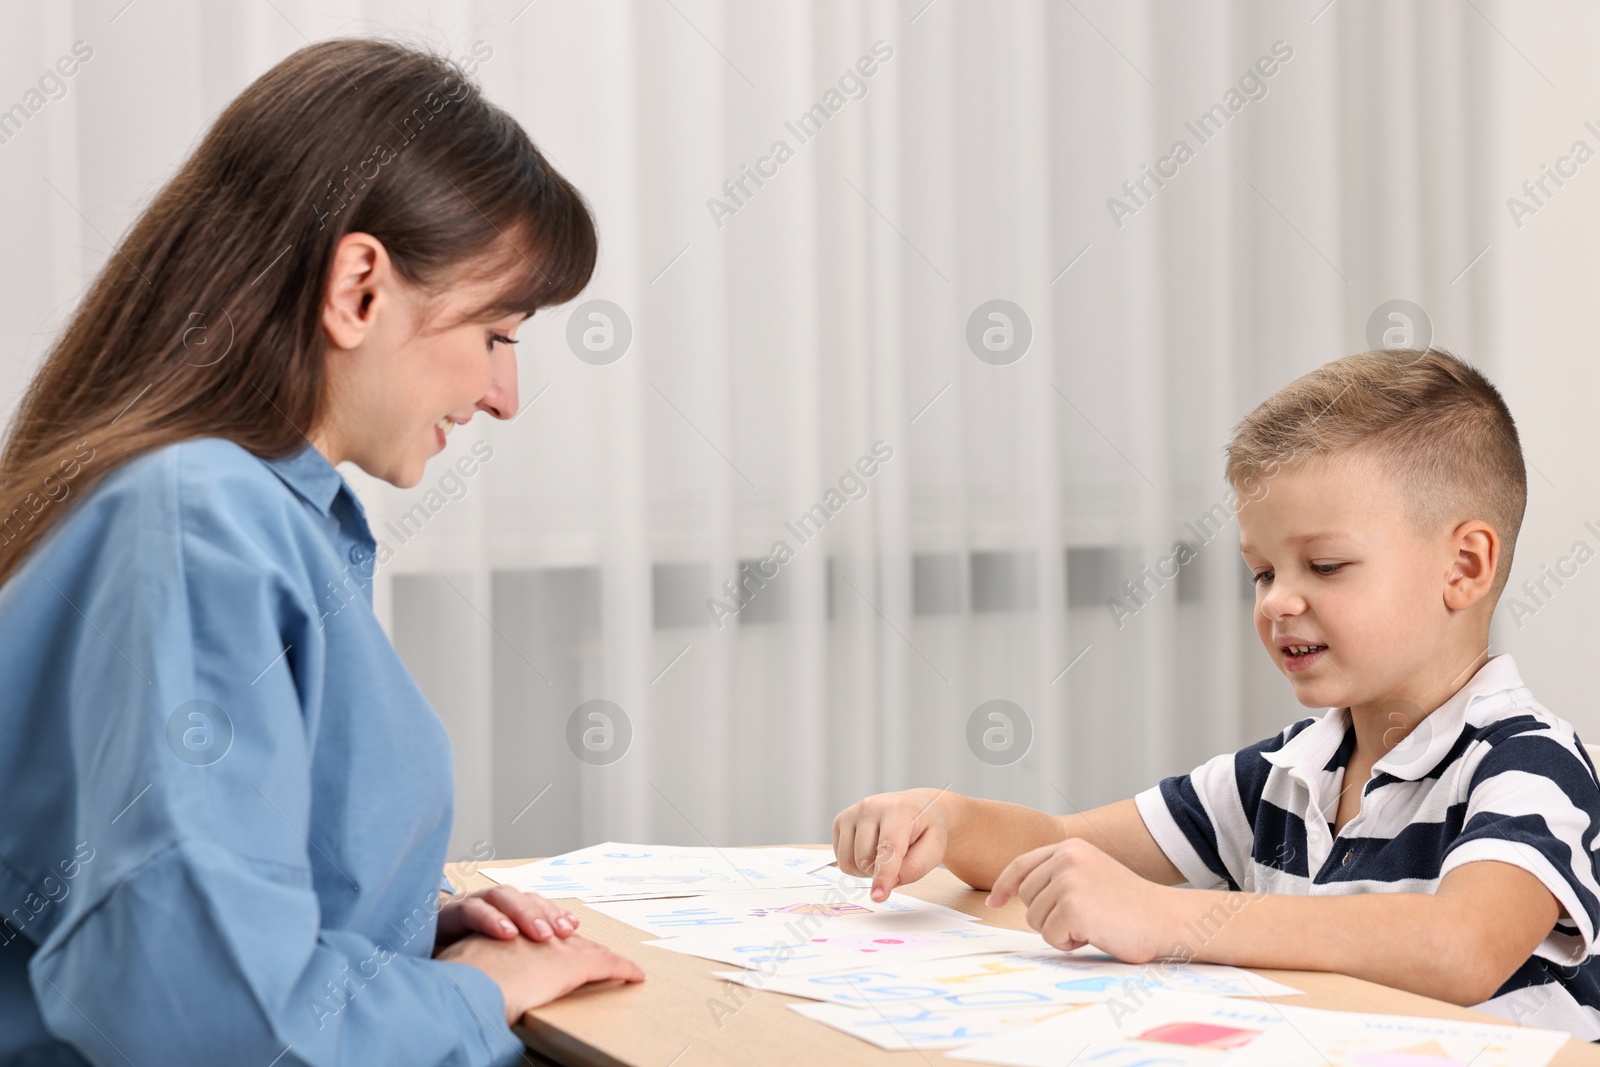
pixel 1324 569
pixel 502 338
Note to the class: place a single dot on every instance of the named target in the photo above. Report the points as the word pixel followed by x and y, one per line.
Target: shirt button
pixel 358 554
pixel 1346 861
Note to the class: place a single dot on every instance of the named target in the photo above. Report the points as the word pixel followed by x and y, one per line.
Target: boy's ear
pixel 1477 559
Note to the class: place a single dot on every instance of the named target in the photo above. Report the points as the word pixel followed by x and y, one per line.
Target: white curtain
pixel 783 330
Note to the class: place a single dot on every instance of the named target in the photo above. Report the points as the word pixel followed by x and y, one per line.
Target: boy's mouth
pixel 1302 657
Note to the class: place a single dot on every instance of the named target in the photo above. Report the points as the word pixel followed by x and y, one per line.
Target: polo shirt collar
pixel 1422 749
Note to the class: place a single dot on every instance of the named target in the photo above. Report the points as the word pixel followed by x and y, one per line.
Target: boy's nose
pixel 1277 604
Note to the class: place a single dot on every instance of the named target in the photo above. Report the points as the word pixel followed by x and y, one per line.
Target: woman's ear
pixel 361 271
pixel 1472 571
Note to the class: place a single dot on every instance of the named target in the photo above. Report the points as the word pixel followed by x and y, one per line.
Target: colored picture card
pixel 1137 1031
pixel 1171 1028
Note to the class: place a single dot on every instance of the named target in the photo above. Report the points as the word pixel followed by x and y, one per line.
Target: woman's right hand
pixel 895 838
pixel 530 973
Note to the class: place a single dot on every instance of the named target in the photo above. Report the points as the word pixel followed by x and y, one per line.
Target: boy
pixel 1431 831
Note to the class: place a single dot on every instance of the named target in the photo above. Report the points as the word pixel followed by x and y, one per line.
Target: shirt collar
pixel 308 472
pixel 316 481
pixel 1422 749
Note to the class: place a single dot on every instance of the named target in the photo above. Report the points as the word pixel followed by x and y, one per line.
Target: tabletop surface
pixel 683 1016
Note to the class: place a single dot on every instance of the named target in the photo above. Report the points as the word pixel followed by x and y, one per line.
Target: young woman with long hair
pixel 226 802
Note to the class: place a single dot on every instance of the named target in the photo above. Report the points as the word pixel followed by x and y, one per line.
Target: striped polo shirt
pixel 1489 775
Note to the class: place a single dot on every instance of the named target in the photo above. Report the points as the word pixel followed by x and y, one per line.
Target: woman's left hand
pixel 503 912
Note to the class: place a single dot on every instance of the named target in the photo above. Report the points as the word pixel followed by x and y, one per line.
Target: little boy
pixel 1433 830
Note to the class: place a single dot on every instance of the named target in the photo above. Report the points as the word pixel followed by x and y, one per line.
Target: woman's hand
pixel 503 912
pixel 894 837
pixel 1076 894
pixel 531 973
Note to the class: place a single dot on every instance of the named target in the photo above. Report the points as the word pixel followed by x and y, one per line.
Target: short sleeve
pixel 1205 820
pixel 1532 802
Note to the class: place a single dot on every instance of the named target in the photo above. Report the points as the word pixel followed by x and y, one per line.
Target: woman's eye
pixel 502 338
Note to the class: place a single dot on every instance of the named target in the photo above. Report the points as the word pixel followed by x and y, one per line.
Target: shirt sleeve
pixel 196 933
pixel 1205 820
pixel 1532 802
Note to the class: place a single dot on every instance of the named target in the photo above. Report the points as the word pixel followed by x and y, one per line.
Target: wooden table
pixel 668 1020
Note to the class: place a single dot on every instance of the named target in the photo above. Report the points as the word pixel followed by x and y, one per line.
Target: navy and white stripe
pixel 1489 775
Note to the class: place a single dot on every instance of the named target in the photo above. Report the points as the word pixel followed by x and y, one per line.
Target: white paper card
pixel 802 911
pixel 835 948
pixel 799 859
pixel 1010 980
pixel 1159 1028
pixel 613 871
pixel 1170 1028
pixel 901 1027
pixel 1350 1039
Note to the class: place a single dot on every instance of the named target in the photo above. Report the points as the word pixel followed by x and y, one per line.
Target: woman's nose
pixel 501 398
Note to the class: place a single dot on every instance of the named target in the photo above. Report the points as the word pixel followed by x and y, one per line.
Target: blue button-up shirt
pixel 224 804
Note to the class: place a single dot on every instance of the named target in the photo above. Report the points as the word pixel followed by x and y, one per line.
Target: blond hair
pixel 1434 423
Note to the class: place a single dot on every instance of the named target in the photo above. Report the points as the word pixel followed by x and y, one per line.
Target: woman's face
pixel 402 369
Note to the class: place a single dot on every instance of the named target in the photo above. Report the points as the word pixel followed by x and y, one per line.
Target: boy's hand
pixel 894 837
pixel 1076 894
pixel 502 912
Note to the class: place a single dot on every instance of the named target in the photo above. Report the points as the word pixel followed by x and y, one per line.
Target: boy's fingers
pixel 866 847
pixel 886 863
pixel 1010 880
pixel 844 843
pixel 923 856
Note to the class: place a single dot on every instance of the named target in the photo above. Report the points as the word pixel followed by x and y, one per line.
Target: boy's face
pixel 1340 566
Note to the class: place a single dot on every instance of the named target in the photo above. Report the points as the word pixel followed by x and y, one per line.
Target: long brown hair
pixel 205 321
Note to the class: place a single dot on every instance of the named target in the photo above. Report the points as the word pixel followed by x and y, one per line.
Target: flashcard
pixel 798 859
pixel 802 910
pixel 1003 980
pixel 1351 1039
pixel 1137 1030
pixel 1170 1028
pixel 829 947
pixel 902 1027
pixel 615 871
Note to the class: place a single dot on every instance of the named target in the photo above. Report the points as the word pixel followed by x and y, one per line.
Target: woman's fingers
pixel 605 964
pixel 475 915
pixel 529 914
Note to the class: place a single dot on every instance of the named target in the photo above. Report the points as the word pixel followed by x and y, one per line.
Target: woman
pixel 226 802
